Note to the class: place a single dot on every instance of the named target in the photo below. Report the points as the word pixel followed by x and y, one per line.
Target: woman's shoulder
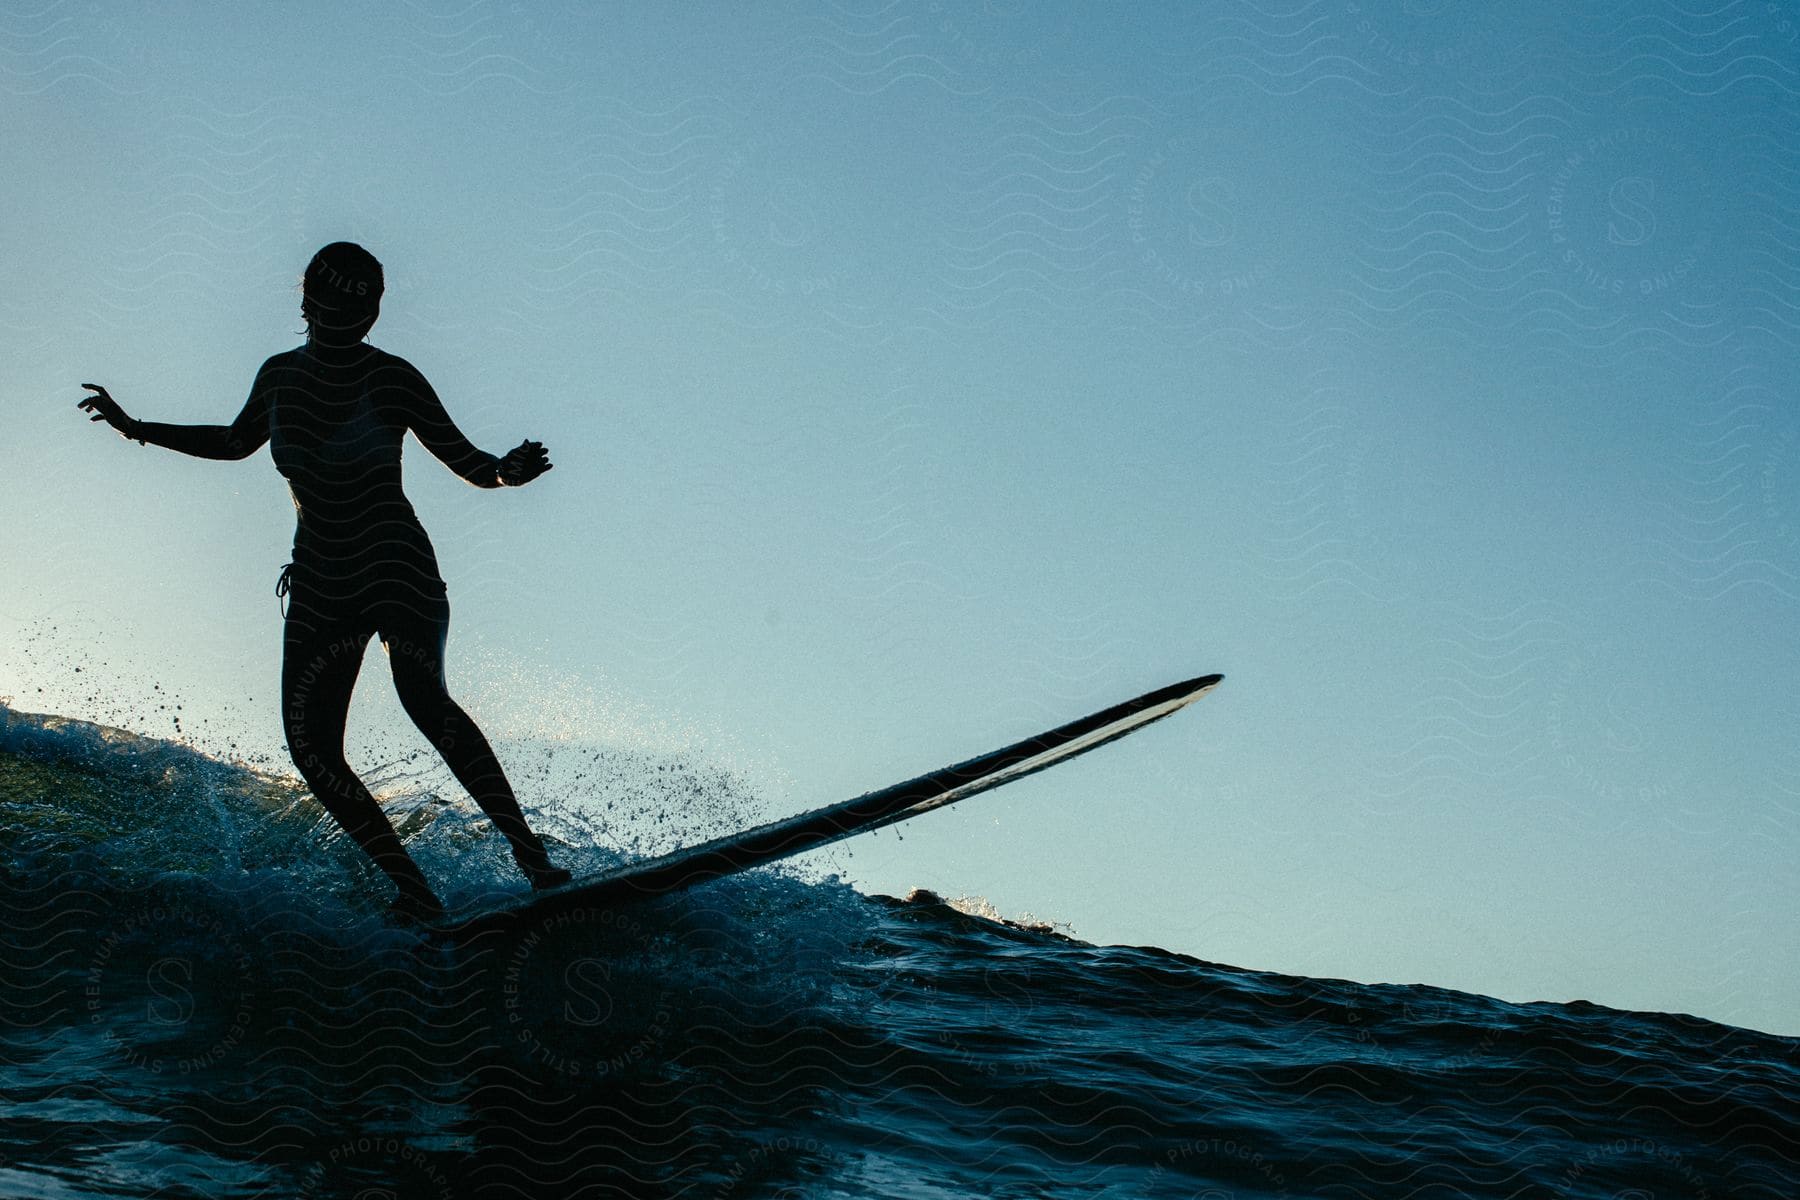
pixel 398 386
pixel 274 374
pixel 281 360
pixel 390 370
pixel 373 366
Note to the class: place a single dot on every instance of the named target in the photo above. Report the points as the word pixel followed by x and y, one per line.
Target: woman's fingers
pixel 525 462
pixel 102 407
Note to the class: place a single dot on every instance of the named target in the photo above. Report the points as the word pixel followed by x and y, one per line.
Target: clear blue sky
pixel 920 376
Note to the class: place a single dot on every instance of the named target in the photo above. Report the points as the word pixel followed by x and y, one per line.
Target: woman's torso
pixel 335 433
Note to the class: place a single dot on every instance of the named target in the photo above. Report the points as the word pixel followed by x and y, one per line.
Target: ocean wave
pixel 200 999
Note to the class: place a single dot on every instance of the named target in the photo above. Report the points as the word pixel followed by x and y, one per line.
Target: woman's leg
pixel 319 664
pixel 416 654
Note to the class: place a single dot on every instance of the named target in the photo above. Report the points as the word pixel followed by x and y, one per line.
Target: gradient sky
pixel 922 375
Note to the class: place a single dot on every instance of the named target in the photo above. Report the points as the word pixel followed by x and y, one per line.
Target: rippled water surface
pixel 200 999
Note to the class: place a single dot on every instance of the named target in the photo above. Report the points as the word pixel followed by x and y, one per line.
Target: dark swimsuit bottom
pixel 380 609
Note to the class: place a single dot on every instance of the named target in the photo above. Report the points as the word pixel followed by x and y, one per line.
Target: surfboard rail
pixel 776 840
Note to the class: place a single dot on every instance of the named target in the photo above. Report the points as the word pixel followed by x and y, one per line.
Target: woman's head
pixel 341 294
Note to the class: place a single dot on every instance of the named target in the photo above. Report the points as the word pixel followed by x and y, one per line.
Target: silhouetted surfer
pixel 334 412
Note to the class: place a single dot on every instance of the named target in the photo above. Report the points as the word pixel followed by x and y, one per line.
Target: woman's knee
pixel 419 679
pixel 423 696
pixel 309 755
pixel 437 716
pixel 322 768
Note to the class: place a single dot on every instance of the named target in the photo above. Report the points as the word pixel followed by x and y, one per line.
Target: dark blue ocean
pixel 200 998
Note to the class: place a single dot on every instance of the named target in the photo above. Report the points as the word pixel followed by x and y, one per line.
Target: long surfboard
pixel 807 831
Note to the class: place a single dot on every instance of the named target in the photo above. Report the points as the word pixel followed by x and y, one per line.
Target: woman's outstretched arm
pixel 240 439
pixel 438 433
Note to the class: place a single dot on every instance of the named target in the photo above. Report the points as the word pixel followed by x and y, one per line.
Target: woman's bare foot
pixel 416 908
pixel 546 877
pixel 538 869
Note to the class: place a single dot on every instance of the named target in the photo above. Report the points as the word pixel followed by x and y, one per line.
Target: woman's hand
pixel 105 408
pixel 524 463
